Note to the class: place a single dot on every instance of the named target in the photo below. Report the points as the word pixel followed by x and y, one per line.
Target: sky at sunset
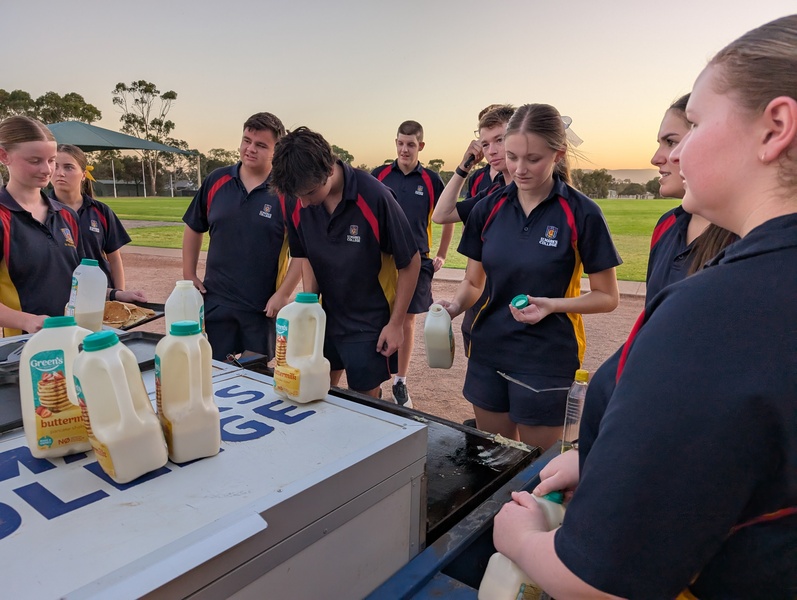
pixel 353 70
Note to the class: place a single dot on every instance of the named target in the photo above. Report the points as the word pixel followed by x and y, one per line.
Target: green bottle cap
pixel 555 497
pixel 181 328
pixel 51 322
pixel 100 341
pixel 520 301
pixel 306 298
pixel 90 261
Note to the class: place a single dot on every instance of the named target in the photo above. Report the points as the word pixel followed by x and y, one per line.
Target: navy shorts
pixel 231 331
pixel 422 298
pixel 365 368
pixel 485 388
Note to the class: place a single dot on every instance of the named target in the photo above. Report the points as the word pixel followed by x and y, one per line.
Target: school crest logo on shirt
pixel 68 241
pixel 266 212
pixel 550 237
pixel 419 191
pixel 353 234
pixel 95 227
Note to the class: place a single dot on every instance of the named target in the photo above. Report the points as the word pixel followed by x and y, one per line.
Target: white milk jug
pixel 122 426
pixel 87 299
pixel 50 413
pixel 503 579
pixel 302 372
pixel 188 415
pixel 439 338
pixel 185 303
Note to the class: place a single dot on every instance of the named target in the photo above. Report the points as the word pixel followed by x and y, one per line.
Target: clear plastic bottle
pixel 87 299
pixel 188 415
pixel 575 404
pixel 185 303
pixel 503 579
pixel 439 338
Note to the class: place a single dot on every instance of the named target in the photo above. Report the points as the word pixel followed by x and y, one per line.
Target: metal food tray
pixel 159 309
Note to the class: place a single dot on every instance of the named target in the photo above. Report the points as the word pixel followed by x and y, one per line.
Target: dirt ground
pixel 434 391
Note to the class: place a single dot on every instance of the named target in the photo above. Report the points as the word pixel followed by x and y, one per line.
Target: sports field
pixel 631 223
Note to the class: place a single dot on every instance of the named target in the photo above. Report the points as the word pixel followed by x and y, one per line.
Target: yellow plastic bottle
pixel 50 413
pixel 123 428
pixel 301 373
pixel 439 338
pixel 188 415
pixel 503 579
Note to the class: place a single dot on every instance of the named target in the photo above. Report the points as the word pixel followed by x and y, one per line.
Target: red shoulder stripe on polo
pixel 661 228
pixel 627 346
pixel 101 217
pixel 384 172
pixel 216 186
pixel 72 225
pixel 428 181
pixel 571 221
pixel 282 206
pixel 295 215
pixel 369 215
pixel 474 188
pixel 773 516
pixel 492 214
pixel 5 218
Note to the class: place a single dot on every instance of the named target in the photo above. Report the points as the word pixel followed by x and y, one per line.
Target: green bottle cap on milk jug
pixel 306 298
pixel 180 328
pixel 520 301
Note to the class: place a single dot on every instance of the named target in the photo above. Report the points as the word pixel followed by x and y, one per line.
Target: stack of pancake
pixel 123 314
pixel 52 392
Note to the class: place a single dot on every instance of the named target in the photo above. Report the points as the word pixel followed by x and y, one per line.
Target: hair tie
pixel 87 173
pixel 572 138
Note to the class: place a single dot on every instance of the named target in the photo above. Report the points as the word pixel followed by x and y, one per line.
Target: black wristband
pixel 461 172
pixel 112 295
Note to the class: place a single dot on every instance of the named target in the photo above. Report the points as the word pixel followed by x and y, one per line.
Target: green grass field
pixel 631 223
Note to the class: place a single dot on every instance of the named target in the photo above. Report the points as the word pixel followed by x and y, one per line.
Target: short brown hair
pixel 499 115
pixel 20 129
pixel 265 121
pixel 411 128
pixel 302 159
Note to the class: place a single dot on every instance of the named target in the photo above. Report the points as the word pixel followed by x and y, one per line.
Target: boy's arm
pixel 392 335
pixel 192 243
pixel 446 209
pixel 442 250
pixel 283 294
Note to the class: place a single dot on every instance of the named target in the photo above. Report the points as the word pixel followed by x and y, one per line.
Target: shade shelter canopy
pixel 90 138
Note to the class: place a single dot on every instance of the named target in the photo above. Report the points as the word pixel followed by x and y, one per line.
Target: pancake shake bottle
pixel 123 428
pixel 185 303
pixel 87 299
pixel 439 338
pixel 51 416
pixel 188 415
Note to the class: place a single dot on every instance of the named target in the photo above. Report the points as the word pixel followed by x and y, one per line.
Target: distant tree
pixel 144 109
pixel 446 176
pixel 654 186
pixel 632 189
pixel 436 164
pixel 50 107
pixel 387 161
pixel 364 167
pixel 342 154
pixel 594 184
pixel 130 171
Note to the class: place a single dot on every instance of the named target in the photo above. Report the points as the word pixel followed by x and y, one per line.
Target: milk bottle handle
pixel 194 357
pixel 320 325
pixel 126 411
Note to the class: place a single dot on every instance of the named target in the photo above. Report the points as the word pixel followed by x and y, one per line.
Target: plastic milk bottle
pixel 302 372
pixel 122 426
pixel 439 338
pixel 185 303
pixel 87 299
pixel 188 415
pixel 503 579
pixel 50 413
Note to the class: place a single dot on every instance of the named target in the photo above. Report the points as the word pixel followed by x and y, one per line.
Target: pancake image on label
pixel 52 392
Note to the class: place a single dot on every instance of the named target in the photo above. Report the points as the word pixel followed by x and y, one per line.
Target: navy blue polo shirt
pixel 670 255
pixel 543 254
pixel 101 231
pixel 464 207
pixel 703 426
pixel 417 193
pixel 37 258
pixel 355 253
pixel 479 181
pixel 248 252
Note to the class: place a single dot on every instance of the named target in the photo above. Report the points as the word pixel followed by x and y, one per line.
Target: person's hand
pixel 390 339
pixel 437 263
pixel 515 522
pixel 452 308
pixel 275 304
pixel 33 323
pixel 475 149
pixel 559 474
pixel 198 283
pixel 536 311
pixel 131 296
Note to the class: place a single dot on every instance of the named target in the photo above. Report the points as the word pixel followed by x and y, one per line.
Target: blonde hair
pixel 759 67
pixel 19 129
pixel 545 121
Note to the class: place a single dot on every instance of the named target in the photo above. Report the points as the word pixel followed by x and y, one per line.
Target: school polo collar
pixel 235 171
pixel 350 188
pixel 418 168
pixel 10 203
pixel 558 190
